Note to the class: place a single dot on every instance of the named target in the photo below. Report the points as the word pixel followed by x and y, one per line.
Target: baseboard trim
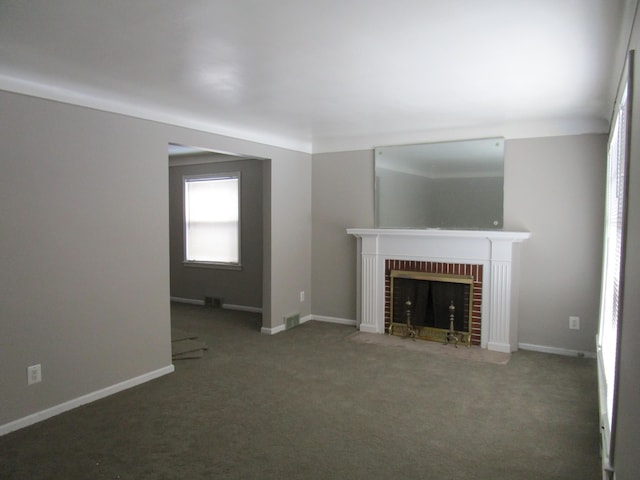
pixel 242 308
pixel 307 318
pixel 499 347
pixel 228 306
pixel 187 300
pixel 556 351
pixel 368 328
pixel 340 321
pixel 273 330
pixel 84 399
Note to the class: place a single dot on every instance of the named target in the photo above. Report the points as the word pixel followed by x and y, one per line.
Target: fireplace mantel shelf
pixel 495 250
pixel 513 236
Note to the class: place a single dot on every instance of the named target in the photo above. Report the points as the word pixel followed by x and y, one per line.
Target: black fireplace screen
pixel 427 299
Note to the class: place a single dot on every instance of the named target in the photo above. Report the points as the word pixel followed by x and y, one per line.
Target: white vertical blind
pixel 212 219
pixel 612 287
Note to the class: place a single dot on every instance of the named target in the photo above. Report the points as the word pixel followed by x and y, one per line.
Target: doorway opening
pixel 245 285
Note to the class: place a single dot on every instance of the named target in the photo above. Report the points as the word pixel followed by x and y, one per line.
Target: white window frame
pixel 237 265
pixel 612 290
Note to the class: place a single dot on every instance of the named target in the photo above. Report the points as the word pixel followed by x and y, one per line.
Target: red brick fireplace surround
pixel 472 270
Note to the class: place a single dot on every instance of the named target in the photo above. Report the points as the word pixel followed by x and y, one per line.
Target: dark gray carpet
pixel 471 352
pixel 310 404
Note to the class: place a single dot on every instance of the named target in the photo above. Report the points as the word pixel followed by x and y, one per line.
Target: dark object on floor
pixel 185 345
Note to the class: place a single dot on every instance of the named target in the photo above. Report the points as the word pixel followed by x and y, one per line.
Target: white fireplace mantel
pixel 496 250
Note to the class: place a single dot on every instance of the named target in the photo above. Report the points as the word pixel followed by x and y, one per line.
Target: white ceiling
pixel 326 75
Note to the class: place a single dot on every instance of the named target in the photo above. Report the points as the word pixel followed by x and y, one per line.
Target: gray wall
pixel 84 265
pixel 236 287
pixel 554 187
pixel 84 282
pixel 342 198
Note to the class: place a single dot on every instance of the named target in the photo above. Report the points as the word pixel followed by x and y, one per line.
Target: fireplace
pixel 419 297
pixel 490 257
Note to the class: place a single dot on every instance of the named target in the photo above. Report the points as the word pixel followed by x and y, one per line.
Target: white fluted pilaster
pixel 370 293
pixel 500 307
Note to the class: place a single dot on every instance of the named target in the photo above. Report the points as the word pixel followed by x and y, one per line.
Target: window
pixel 612 268
pixel 212 219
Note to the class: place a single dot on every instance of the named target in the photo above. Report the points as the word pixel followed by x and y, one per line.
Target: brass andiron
pixel 451 334
pixel 411 332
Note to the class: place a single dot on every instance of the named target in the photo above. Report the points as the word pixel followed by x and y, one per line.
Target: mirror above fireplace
pixel 455 185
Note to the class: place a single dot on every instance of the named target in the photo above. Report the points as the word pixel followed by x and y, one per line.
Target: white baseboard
pixel 84 399
pixel 273 330
pixel 241 308
pixel 556 351
pixel 306 318
pixel 228 306
pixel 187 300
pixel 341 321
pixel 368 328
pixel 499 347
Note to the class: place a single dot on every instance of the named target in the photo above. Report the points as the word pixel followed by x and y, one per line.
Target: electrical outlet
pixel 574 323
pixel 302 296
pixel 34 374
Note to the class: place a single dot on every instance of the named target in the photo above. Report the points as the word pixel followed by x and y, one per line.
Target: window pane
pixel 212 219
pixel 613 253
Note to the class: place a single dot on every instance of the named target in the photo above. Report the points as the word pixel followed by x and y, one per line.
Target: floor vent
pixel 291 321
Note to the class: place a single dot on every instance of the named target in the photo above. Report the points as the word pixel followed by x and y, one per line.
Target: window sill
pixel 214 265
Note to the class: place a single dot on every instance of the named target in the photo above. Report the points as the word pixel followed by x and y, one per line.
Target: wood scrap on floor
pixel 185 345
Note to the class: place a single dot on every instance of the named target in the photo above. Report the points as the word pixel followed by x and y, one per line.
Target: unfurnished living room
pixel 319 239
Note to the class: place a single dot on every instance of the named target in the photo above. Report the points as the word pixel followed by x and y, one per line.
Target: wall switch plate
pixel 574 323
pixel 302 296
pixel 34 374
